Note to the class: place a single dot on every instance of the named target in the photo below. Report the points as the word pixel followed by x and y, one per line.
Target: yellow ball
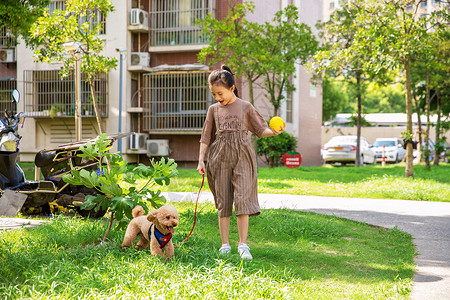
pixel 276 123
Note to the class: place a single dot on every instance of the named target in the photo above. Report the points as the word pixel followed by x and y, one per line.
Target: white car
pixel 342 149
pixel 393 149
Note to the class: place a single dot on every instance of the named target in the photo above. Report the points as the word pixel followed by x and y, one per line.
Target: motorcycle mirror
pixel 16 95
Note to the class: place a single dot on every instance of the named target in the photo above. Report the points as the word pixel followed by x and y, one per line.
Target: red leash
pixel 195 212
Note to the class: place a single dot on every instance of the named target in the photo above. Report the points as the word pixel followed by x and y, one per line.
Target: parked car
pixel 393 149
pixel 342 149
pixel 443 155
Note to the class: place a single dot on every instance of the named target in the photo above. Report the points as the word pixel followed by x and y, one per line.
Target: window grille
pixel 56 5
pixel 47 94
pixel 6 99
pixel 92 17
pixel 175 101
pixel 173 22
pixel 7 40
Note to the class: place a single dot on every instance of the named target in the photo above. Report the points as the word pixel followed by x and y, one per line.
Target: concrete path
pixel 15 223
pixel 427 222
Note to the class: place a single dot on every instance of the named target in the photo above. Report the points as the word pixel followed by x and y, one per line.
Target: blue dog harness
pixel 161 238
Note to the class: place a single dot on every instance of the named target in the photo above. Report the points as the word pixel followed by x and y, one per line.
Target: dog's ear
pixel 153 216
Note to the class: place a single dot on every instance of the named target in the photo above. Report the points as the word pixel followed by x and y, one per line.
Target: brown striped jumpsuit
pixel 231 160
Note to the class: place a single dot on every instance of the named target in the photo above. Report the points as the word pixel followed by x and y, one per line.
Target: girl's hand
pixel 201 168
pixel 277 132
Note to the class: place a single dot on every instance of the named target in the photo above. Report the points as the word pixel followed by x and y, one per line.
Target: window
pixel 6 99
pixel 331 4
pixel 47 94
pixel 173 22
pixel 175 101
pixel 7 40
pixel 289 117
pixel 423 3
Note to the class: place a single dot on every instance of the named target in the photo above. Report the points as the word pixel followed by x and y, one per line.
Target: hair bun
pixel 226 68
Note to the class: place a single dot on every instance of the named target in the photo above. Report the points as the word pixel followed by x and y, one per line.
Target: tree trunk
pixel 358 162
pixel 419 121
pixel 437 147
pixel 409 169
pixel 426 149
pixel 250 90
pixel 94 100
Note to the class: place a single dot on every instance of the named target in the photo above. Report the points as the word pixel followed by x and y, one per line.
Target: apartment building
pixel 164 88
pixel 425 7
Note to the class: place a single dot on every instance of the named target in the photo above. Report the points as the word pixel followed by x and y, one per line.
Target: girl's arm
pixel 201 159
pixel 271 132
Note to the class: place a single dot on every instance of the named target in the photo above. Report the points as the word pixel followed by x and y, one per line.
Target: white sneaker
pixel 225 249
pixel 244 251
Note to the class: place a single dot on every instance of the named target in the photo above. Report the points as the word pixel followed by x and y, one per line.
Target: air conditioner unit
pixel 138 17
pixel 157 148
pixel 138 141
pixel 7 55
pixel 140 59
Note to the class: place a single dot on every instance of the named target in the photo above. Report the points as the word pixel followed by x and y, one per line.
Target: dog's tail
pixel 137 211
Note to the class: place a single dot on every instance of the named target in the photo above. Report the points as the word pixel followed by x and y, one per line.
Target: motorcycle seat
pixel 44 158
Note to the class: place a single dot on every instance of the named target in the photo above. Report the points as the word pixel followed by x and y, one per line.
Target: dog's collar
pixel 161 238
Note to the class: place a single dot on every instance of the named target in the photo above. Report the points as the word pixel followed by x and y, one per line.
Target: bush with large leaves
pixel 117 184
pixel 272 148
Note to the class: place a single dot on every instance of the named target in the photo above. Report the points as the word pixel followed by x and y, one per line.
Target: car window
pixel 384 143
pixel 343 139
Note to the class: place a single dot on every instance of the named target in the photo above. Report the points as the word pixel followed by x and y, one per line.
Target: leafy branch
pixel 116 184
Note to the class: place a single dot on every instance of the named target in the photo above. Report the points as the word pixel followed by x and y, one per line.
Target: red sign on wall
pixel 292 159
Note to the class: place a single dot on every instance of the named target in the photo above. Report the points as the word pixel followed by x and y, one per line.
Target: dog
pixel 155 229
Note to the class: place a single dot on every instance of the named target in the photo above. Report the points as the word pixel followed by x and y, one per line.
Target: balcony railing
pixel 175 102
pixel 49 95
pixel 173 22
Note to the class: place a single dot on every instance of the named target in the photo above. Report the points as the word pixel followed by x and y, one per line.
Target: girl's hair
pixel 224 77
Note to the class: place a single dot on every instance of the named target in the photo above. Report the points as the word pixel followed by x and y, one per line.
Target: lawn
pixel 297 255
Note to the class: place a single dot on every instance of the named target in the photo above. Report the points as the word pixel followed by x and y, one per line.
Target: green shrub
pixel 272 148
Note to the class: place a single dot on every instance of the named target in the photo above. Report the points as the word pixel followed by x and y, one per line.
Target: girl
pixel 232 170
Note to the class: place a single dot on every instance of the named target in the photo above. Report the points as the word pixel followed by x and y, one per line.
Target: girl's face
pixel 222 94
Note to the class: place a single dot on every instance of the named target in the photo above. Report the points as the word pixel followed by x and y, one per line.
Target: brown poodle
pixel 156 228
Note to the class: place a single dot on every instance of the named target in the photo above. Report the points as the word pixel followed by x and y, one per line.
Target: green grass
pixel 364 182
pixel 297 255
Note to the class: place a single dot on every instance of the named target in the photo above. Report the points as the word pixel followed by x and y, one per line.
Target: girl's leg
pixel 242 225
pixel 224 228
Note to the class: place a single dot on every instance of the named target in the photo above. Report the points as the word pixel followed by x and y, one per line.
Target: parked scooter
pixel 53 163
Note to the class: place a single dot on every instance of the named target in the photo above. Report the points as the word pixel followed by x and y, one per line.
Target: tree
pixel 78 23
pixel 268 51
pixel 234 41
pixel 285 42
pixel 18 15
pixel 389 34
pixel 338 57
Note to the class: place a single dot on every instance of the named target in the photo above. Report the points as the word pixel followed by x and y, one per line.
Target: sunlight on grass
pixel 297 255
